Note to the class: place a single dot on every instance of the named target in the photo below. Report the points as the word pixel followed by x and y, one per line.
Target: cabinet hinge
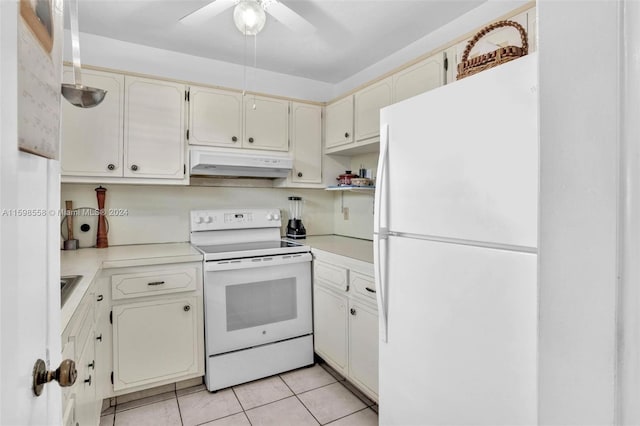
pixel 187 95
pixel 187 134
pixel 184 169
pixel 111 317
pixel 112 377
pixel 446 62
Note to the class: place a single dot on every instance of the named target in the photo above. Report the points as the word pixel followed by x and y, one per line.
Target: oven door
pixel 254 301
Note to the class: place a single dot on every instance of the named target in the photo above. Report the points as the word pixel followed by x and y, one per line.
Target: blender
pixel 295 228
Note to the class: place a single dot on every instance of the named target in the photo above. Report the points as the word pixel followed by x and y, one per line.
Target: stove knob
pixel 269 216
pixel 200 220
pixel 209 219
pixel 276 216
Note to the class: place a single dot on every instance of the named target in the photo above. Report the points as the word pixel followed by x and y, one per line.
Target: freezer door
pixel 463 158
pixel 462 343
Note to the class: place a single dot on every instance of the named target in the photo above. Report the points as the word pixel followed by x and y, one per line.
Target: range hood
pixel 216 163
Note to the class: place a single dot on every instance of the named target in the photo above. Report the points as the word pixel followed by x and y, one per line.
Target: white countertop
pixel 354 248
pixel 87 262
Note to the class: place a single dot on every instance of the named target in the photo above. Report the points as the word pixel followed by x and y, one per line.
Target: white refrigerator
pixel 455 246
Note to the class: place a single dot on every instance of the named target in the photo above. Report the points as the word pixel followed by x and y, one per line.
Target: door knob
pixel 65 375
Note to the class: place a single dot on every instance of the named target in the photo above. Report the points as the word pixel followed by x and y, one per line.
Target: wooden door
pixel 306 136
pixel 363 345
pixel 419 78
pixel 266 125
pixel 92 137
pixel 154 129
pixel 215 117
pixel 330 327
pixel 368 103
pixel 339 123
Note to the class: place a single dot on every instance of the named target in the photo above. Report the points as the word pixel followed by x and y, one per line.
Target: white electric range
pixel 257 296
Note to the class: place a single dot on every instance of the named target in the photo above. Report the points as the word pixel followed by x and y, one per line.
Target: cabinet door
pixel 154 341
pixel 306 135
pixel 363 346
pixel 266 123
pixel 87 406
pixel 154 129
pixel 368 102
pixel 92 137
pixel 215 117
pixel 330 327
pixel 339 125
pixel 419 78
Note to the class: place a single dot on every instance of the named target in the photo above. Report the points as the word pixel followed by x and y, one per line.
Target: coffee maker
pixel 295 228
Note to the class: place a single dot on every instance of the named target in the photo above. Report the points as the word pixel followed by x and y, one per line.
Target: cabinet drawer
pixel 332 275
pixel 126 286
pixel 363 285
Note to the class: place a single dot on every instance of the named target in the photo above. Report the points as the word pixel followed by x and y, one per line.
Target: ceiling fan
pixel 249 15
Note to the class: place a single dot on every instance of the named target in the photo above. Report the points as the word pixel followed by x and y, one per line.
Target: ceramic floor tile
pixel 306 379
pixel 193 389
pixel 239 419
pixel 366 417
pixel 145 401
pixel 354 390
pixel 287 412
pixel 261 392
pixel 339 377
pixel 203 406
pixel 107 420
pixel 145 393
pixel 331 402
pixel 163 413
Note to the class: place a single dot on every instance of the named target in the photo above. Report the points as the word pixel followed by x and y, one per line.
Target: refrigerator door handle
pixel 381 234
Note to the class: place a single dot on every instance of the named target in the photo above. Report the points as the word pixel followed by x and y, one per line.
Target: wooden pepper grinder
pixel 102 241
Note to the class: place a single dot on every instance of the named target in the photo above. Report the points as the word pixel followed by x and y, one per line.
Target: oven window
pixel 259 303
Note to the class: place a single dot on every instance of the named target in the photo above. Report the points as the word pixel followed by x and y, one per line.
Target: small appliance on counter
pixel 295 228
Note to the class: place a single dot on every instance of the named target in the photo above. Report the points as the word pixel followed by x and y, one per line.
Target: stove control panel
pixel 214 220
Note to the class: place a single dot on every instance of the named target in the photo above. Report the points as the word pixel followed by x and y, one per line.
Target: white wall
pixel 579 142
pixel 159 214
pixel 119 55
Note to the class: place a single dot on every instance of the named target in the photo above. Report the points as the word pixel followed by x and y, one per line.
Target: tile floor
pixel 308 396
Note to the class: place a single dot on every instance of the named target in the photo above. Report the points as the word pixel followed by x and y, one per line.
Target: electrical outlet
pixel 345 213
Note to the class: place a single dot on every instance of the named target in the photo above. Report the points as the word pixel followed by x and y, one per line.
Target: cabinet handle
pixel 92 365
pixel 156 283
pixel 88 380
pixel 299 174
pixel 353 311
pixel 370 290
pixel 250 140
pixel 234 139
pixel 346 134
pixel 111 167
pixel 134 168
pixel 99 337
pixel 100 297
pixel 187 308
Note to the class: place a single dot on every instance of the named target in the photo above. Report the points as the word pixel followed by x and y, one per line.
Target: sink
pixel 67 284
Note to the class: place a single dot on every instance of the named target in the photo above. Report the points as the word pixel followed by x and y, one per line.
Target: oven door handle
pixel 256 262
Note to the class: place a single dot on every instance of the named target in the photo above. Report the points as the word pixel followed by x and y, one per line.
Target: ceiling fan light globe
pixel 249 17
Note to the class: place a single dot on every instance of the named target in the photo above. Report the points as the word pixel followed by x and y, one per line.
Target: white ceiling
pixel 351 34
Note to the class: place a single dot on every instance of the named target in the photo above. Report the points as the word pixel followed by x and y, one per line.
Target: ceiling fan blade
pixel 289 18
pixel 207 12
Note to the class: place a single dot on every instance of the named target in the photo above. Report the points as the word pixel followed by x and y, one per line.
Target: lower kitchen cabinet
pixel 80 406
pixel 152 325
pixel 346 319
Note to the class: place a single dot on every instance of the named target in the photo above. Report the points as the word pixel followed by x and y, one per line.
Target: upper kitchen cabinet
pixel 154 128
pixel 136 135
pixel 339 123
pixel 266 123
pixel 419 78
pixel 215 117
pixel 306 135
pixel 92 137
pixel 368 103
